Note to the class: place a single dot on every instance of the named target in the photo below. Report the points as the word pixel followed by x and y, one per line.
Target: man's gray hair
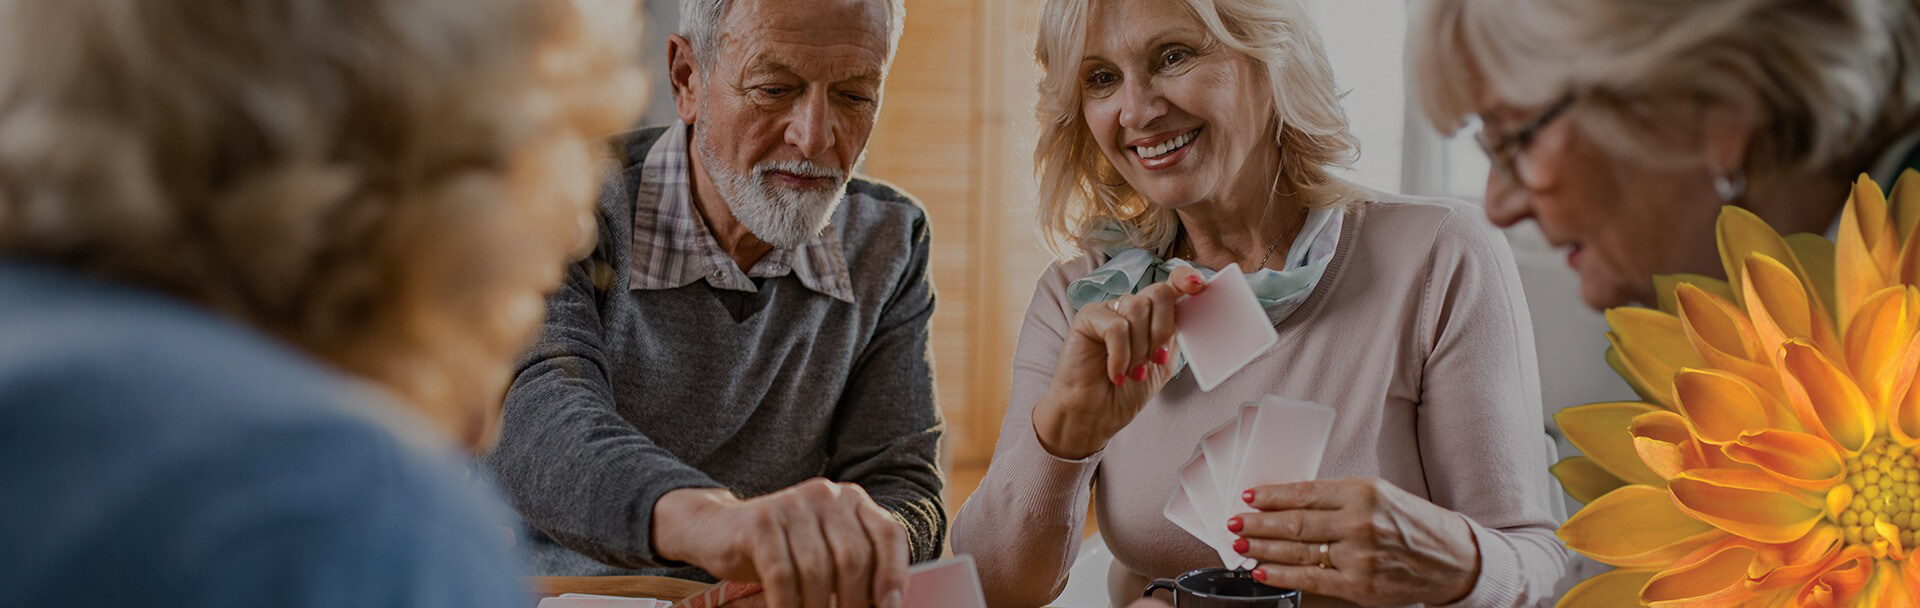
pixel 700 24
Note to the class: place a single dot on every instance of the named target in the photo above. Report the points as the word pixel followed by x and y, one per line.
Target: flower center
pixel 1885 479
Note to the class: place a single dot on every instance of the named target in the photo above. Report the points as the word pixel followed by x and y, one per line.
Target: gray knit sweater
pixel 630 394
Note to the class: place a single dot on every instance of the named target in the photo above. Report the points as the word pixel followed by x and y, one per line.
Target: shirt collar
pixel 672 247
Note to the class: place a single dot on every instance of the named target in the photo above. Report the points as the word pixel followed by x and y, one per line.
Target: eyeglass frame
pixel 1505 153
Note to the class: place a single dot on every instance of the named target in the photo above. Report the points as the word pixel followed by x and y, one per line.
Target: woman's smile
pixel 1165 150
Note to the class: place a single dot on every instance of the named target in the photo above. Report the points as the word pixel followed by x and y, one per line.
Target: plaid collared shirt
pixel 673 248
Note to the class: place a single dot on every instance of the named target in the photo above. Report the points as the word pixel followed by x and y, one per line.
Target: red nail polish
pixel 1194 280
pixel 1234 525
pixel 1247 496
pixel 1120 380
pixel 1140 373
pixel 1240 546
pixel 1259 575
pixel 1160 356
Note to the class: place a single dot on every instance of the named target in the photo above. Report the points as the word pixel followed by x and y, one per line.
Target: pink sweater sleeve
pixel 1026 563
pixel 1480 427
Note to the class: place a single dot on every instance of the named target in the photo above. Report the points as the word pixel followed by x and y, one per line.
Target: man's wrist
pixel 678 514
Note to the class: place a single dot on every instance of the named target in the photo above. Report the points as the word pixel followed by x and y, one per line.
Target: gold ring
pixel 1326 556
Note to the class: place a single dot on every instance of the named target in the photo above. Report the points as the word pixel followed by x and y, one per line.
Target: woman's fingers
pixel 1186 280
pixel 1308 579
pixel 1138 311
pixel 1299 525
pixel 1284 552
pixel 1117 336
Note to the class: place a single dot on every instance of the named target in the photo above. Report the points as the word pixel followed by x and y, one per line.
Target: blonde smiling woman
pixel 263 267
pixel 1179 138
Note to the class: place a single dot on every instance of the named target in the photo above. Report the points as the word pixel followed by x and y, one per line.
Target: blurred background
pixel 956 129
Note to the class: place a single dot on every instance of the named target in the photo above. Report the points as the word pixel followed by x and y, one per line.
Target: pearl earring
pixel 1730 186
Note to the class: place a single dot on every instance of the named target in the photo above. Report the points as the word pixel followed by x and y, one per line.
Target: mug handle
pixel 1158 584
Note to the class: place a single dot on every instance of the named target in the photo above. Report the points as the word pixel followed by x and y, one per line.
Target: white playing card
pixel 1223 328
pixel 1221 449
pixel 1182 513
pixel 1205 497
pixel 1289 438
pixel 1230 489
pixel 948 583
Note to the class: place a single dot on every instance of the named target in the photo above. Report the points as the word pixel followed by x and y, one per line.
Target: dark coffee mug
pixel 1223 588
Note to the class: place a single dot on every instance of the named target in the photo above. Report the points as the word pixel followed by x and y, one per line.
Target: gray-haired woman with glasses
pixel 1622 127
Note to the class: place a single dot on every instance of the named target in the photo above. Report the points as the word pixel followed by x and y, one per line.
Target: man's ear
pixel 1726 131
pixel 684 72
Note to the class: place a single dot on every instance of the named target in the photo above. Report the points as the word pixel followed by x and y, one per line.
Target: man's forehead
pixel 825 23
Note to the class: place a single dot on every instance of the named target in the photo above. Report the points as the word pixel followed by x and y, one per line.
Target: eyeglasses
pixel 1505 153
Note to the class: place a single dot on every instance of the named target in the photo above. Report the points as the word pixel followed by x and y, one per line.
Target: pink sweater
pixel 1418 335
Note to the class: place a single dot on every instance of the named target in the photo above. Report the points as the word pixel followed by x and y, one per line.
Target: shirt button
pixel 718 275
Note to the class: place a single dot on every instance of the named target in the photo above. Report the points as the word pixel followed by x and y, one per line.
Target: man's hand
pixel 818 544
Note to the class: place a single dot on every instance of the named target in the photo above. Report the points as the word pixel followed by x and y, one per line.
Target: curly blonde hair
pixel 1079 189
pixel 390 185
pixel 1830 83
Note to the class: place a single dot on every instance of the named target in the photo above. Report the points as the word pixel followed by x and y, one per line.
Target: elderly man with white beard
pixel 736 383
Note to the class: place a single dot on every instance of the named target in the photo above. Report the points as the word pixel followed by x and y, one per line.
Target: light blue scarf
pixel 1128 270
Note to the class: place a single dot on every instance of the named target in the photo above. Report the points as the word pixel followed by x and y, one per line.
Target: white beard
pixel 783 217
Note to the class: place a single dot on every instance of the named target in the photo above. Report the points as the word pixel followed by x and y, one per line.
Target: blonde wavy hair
pixel 390 185
pixel 1080 190
pixel 1830 83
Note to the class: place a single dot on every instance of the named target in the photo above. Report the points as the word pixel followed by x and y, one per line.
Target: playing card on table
pixel 948 583
pixel 1222 329
pixel 582 600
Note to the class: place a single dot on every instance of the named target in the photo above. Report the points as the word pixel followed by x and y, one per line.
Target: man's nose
pixel 810 128
pixel 1140 104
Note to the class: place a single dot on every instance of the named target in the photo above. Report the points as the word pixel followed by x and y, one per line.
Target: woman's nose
pixel 1506 202
pixel 1140 104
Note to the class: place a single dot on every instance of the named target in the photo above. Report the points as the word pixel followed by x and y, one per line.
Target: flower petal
pixel 1798 459
pixel 1635 527
pixel 1749 504
pixel 1716 580
pixel 1602 431
pixel 1583 479
pixel 1816 256
pixel 1666 444
pixel 1865 257
pixel 1789 565
pixel 1742 233
pixel 1905 203
pixel 1838 583
pixel 1653 345
pixel 1885 589
pixel 1664 285
pixel 1826 400
pixel 1628 375
pixel 1720 332
pixel 1720 405
pixel 1781 310
pixel 1879 335
pixel 1607 590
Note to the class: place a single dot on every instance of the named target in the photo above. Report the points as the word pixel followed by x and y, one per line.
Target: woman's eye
pixel 1174 57
pixel 1101 79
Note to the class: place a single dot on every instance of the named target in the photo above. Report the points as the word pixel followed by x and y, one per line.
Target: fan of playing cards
pixel 1272 441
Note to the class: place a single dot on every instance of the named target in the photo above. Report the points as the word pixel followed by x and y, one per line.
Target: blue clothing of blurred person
pixel 264 266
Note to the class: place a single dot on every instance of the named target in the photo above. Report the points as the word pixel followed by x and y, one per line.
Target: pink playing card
pixel 948 583
pixel 1289 438
pixel 1223 328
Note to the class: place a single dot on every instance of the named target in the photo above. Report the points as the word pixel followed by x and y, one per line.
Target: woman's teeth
pixel 1167 146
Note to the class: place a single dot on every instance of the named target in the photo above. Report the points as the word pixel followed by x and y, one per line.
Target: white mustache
pixel 798 167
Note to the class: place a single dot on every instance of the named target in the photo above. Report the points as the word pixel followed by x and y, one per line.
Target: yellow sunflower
pixel 1775 459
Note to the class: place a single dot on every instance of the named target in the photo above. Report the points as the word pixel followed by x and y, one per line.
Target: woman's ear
pixel 1726 131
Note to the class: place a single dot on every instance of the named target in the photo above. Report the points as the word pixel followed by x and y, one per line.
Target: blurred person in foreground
pixel 263 267
pixel 1621 127
pixel 736 384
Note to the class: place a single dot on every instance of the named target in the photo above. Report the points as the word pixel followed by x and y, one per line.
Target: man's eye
pixel 773 91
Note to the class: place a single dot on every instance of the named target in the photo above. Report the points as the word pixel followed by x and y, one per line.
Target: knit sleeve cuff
pixel 1499 584
pixel 668 480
